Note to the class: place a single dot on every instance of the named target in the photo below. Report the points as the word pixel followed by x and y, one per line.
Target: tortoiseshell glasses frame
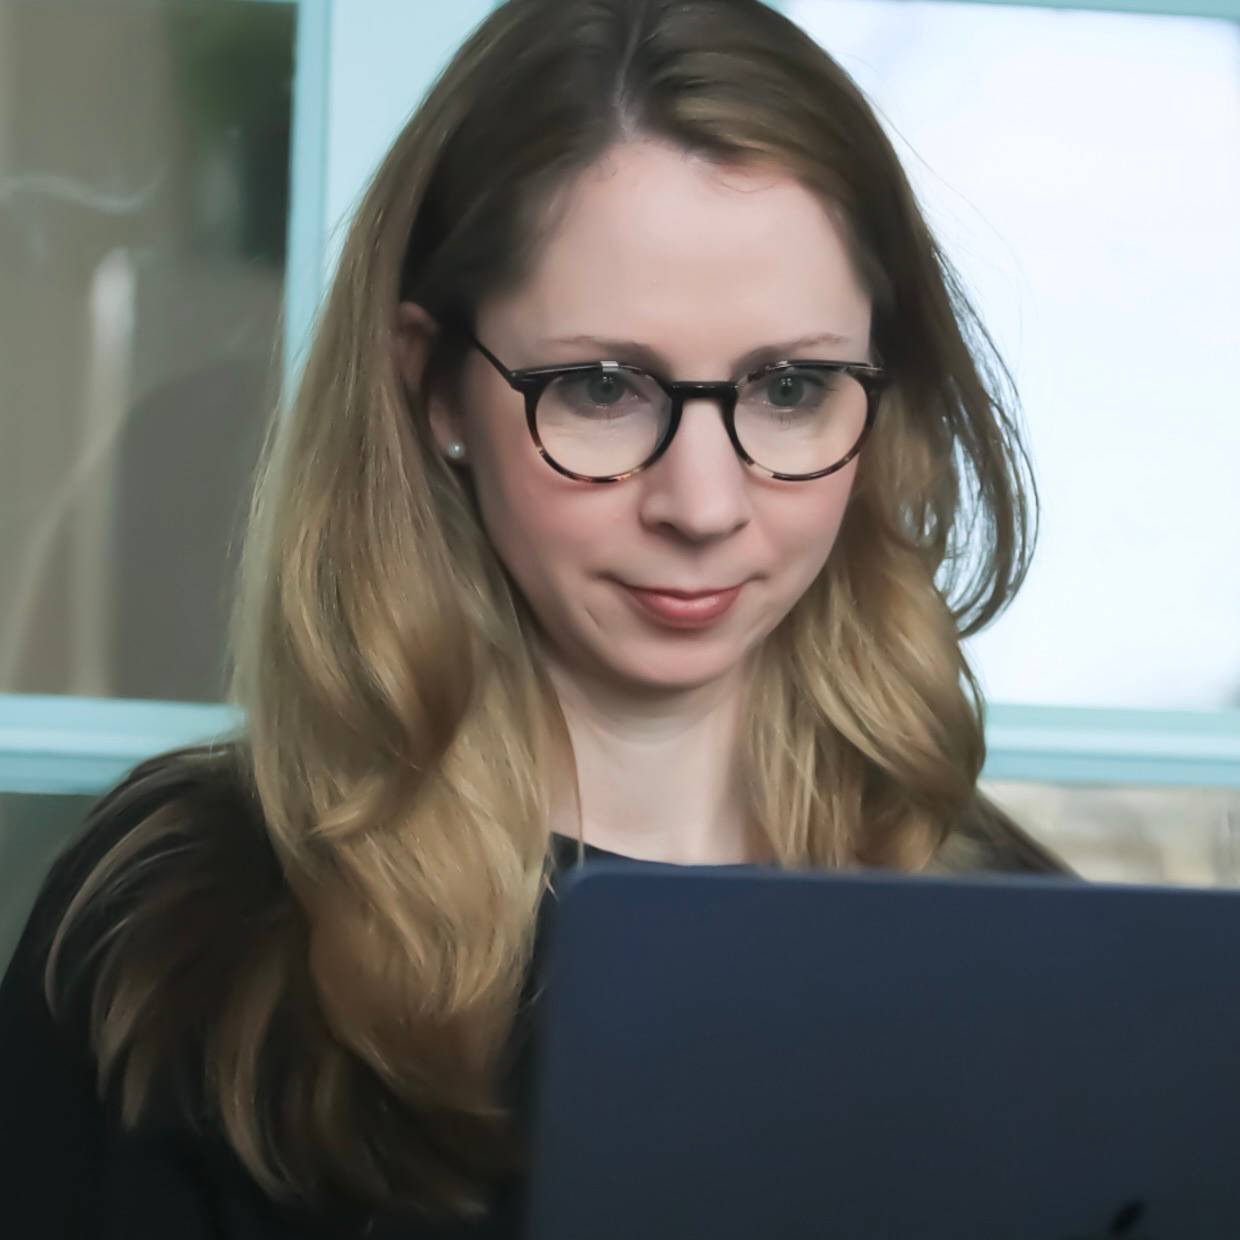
pixel 532 381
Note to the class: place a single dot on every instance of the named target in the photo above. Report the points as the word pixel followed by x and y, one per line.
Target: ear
pixel 414 333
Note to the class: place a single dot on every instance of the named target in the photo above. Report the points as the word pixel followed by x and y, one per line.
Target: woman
pixel 301 963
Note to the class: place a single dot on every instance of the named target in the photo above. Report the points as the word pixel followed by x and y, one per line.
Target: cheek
pixel 535 518
pixel 806 529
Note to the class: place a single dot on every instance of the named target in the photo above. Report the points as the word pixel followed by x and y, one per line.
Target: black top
pixel 69 1169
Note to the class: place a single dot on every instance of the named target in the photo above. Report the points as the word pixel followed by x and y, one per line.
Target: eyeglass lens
pixel 792 420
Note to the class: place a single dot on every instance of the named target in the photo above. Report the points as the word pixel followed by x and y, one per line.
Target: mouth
pixel 682 609
pixel 672 592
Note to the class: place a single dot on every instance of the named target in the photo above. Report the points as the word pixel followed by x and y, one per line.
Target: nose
pixel 699 485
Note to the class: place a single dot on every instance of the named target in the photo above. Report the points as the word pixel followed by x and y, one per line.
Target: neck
pixel 657 773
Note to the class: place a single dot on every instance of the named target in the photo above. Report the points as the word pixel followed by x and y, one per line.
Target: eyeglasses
pixel 606 421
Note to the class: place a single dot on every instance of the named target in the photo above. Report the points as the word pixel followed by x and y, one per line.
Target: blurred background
pixel 174 180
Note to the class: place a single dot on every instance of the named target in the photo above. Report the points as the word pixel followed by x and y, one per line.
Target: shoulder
pixel 148 841
pixel 181 815
pixel 203 778
pixel 986 840
pixel 198 792
pixel 149 903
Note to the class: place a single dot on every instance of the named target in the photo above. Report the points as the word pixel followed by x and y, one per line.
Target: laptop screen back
pixel 751 1053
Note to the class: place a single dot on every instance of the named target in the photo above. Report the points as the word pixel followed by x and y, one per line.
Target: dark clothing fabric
pixel 69 1168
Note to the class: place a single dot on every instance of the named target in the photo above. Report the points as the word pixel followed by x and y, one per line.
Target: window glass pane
pixel 143 202
pixel 1082 171
pixel 1132 834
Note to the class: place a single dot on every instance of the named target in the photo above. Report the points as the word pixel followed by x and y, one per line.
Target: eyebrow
pixel 650 358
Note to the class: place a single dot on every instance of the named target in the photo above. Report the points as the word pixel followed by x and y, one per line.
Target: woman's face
pixel 702 266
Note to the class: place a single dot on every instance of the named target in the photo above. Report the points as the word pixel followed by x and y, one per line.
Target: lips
pixel 673 593
pixel 681 610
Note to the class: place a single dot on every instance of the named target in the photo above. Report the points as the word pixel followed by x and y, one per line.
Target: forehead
pixel 657 244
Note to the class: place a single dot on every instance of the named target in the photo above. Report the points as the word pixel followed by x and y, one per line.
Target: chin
pixel 675 668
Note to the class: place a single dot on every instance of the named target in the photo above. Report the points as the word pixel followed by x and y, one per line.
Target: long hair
pixel 399 730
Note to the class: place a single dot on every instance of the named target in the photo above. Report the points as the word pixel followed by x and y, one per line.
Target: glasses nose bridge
pixel 722 394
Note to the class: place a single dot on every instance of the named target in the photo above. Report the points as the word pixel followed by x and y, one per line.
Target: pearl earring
pixel 456 450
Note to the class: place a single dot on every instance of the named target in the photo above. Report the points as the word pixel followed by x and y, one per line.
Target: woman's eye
pixel 789 390
pixel 605 389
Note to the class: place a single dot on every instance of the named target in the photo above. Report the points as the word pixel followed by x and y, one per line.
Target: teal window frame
pixel 60 744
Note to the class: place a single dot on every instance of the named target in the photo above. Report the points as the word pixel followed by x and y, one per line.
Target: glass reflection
pixel 143 203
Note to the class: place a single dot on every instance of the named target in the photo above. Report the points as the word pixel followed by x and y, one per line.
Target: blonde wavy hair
pixel 350 1000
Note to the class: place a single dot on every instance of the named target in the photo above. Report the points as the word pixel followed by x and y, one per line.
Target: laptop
pixel 750 1054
